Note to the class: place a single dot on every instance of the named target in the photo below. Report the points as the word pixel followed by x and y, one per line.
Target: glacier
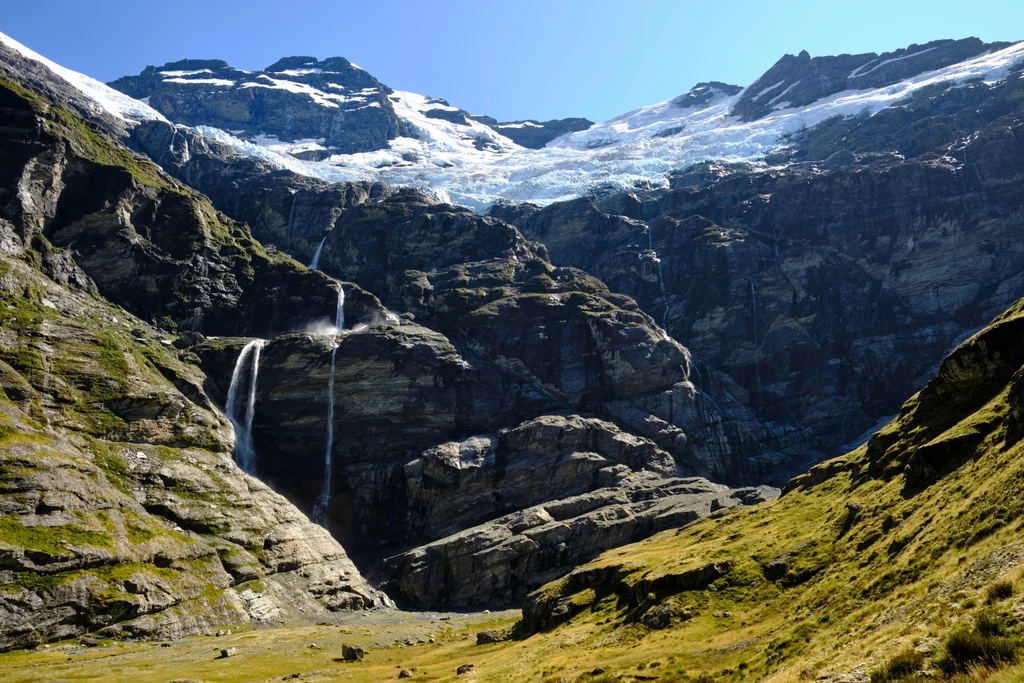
pixel 475 165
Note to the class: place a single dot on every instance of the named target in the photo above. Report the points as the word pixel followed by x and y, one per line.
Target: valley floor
pixel 394 641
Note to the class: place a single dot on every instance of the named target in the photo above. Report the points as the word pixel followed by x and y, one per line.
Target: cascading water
pixel 323 502
pixel 661 276
pixel 339 312
pixel 245 454
pixel 315 263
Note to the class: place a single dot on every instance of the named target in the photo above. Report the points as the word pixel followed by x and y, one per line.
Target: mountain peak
pixel 800 80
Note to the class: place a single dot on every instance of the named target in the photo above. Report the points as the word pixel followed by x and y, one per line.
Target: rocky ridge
pixel 332 101
pixel 327 107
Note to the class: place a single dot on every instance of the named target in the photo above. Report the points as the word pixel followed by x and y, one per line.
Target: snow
pixel 857 73
pixel 299 72
pixel 178 74
pixel 524 124
pixel 767 90
pixel 324 99
pixel 772 101
pixel 115 103
pixel 208 81
pixel 442 158
pixel 618 153
pixel 272 142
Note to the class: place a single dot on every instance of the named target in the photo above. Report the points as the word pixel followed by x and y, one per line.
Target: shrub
pixel 983 645
pixel 901 666
pixel 1000 591
pixel 990 624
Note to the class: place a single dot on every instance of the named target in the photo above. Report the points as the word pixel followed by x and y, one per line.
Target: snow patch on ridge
pixel 113 102
pixel 208 81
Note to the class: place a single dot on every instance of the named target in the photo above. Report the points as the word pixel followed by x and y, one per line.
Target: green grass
pixel 53 540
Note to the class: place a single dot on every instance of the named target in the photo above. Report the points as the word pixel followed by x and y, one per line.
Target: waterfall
pixel 339 312
pixel 315 263
pixel 323 503
pixel 661 276
pixel 245 455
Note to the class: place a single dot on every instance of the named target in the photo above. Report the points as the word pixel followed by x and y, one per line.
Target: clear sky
pixel 510 59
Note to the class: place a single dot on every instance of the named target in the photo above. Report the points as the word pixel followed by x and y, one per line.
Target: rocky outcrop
pixel 458 484
pixel 333 102
pixel 531 133
pixel 800 80
pixel 500 562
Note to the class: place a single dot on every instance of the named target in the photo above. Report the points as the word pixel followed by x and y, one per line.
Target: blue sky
pixel 522 59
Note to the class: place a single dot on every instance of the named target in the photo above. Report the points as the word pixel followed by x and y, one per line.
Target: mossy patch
pixel 53 540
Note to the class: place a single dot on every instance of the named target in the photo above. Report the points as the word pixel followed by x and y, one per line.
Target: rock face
pixel 829 289
pixel 332 102
pixel 137 234
pixel 800 80
pixel 534 134
pixel 500 562
pixel 284 209
pixel 488 398
pixel 121 510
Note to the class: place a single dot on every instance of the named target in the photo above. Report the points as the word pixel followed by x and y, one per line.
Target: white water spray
pixel 339 312
pixel 245 454
pixel 315 263
pixel 323 503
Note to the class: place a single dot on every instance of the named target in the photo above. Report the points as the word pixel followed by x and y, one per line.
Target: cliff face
pixel 439 430
pixel 332 101
pixel 122 510
pixel 831 287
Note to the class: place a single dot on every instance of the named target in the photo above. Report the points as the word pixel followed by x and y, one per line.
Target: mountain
pixel 571 406
pixel 317 110
pixel 147 336
pixel 474 161
pixel 123 513
pixel 827 285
